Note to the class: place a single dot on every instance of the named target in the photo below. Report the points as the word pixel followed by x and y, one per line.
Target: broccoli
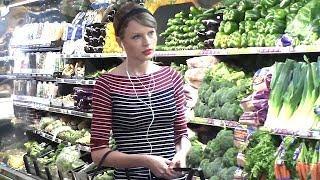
pixel 227 173
pixel 214 178
pixel 231 111
pixel 204 165
pixel 202 91
pixel 207 95
pixel 212 100
pixel 216 165
pixel 229 157
pixel 194 156
pixel 199 109
pixel 230 95
pixel 218 146
pixel 211 168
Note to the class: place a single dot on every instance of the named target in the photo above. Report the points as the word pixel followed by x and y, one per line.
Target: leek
pixel 292 97
pixel 302 117
pixel 279 84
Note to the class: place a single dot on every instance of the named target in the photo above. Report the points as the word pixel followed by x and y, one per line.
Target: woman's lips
pixel 147 52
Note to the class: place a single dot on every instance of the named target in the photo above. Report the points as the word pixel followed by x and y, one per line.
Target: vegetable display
pixel 217 159
pixel 221 91
pixel 294 95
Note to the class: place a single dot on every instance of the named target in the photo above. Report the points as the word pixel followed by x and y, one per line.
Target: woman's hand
pixel 178 161
pixel 159 166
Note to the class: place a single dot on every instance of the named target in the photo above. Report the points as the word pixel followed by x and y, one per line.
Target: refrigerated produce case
pixel 234 55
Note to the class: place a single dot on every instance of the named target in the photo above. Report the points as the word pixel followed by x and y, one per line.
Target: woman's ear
pixel 119 42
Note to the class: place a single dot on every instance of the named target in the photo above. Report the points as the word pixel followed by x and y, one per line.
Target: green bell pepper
pixel 285 3
pixel 295 7
pixel 270 15
pixel 310 39
pixel 221 26
pixel 234 40
pixel 275 27
pixel 250 25
pixel 261 25
pixel 290 17
pixel 245 5
pixel 263 12
pixel 220 41
pixel 252 15
pixel 252 37
pixel 269 3
pixel 244 40
pixel 230 27
pixel 242 27
pixel 260 41
pixel 280 14
pixel 271 39
pixel 233 15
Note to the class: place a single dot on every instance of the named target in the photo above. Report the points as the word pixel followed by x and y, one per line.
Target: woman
pixel 142 103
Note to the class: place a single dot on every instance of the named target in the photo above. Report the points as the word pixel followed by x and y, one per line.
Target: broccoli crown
pixel 227 173
pixel 214 178
pixel 194 156
pixel 229 157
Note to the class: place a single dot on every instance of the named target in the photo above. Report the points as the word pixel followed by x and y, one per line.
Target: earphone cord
pixel 149 105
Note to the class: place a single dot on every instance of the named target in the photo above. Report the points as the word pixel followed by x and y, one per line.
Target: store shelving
pixel 210 52
pixel 6 58
pixel 9 173
pixel 44 105
pixel 57 140
pixel 215 122
pixel 76 81
pixel 93 55
pixel 7 76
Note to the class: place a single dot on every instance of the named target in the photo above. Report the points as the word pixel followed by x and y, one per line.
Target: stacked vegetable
pixel 259 156
pixel 182 30
pixel 304 21
pixel 255 106
pixel 294 95
pixel 110 45
pixel 211 25
pixel 83 98
pixel 290 159
pixel 221 92
pixel 261 23
pixel 218 159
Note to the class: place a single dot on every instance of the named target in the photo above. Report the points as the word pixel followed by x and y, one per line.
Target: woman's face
pixel 139 41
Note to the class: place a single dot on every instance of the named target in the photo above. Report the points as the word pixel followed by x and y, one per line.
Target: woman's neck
pixel 138 68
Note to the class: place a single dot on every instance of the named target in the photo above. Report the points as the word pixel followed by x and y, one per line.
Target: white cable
pixel 149 105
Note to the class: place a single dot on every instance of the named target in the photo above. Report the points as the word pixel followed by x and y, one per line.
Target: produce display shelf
pixel 44 105
pixel 76 81
pixel 7 76
pixel 9 173
pixel 57 140
pixel 6 58
pixel 307 134
pixel 214 122
pixel 93 55
pixel 208 52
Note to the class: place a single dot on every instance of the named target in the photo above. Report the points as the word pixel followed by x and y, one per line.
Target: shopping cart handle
pixel 191 172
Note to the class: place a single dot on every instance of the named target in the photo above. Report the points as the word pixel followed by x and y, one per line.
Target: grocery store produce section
pixel 251 73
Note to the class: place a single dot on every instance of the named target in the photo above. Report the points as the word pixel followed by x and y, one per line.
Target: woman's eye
pixel 151 33
pixel 136 37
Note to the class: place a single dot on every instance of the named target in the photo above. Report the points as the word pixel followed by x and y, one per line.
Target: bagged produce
pixel 202 62
pixel 253 103
pixel 262 79
pixel 256 118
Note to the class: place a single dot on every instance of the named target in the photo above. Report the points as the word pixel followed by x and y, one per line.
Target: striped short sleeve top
pixel 145 114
